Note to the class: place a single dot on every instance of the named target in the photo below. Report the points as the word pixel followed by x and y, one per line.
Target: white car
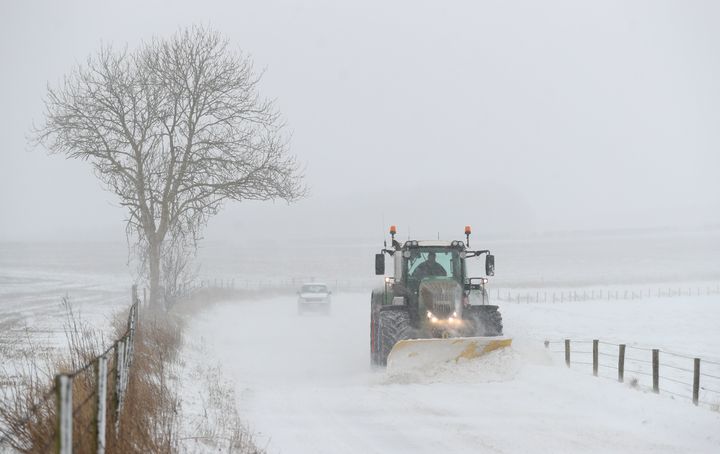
pixel 314 297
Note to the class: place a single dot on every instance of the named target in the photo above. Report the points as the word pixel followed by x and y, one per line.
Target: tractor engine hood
pixel 441 297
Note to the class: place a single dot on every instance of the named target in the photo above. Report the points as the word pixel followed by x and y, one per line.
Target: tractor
pixel 429 307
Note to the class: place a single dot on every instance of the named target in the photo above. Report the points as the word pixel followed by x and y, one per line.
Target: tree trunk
pixel 154 265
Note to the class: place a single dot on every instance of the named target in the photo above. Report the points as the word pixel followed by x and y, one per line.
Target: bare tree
pixel 174 128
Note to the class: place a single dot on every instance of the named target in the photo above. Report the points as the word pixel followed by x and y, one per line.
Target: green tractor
pixel 430 310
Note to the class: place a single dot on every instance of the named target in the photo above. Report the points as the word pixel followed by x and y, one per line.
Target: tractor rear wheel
pixel 486 320
pixel 393 326
pixel 376 301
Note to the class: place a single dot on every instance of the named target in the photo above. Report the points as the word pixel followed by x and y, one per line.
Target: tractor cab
pixel 424 260
pixel 416 262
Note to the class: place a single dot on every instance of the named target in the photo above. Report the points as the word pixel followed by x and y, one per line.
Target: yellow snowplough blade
pixel 420 353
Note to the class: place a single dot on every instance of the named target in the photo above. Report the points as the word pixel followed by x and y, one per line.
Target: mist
pixel 518 118
pixel 579 139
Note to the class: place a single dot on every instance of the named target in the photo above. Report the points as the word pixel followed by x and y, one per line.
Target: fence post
pixel 567 352
pixel 621 363
pixel 656 370
pixel 119 373
pixel 100 418
pixel 696 381
pixel 63 385
pixel 132 323
pixel 595 356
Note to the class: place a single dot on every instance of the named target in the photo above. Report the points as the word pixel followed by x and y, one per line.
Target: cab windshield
pixel 433 262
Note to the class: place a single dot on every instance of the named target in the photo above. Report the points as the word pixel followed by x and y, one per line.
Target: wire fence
pixel 496 294
pixel 663 371
pixel 87 401
pixel 282 285
pixel 609 294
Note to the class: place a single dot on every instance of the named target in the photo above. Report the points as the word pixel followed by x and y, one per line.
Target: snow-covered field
pixel 35 277
pixel 305 385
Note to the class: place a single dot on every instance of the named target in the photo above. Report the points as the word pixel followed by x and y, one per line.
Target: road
pixel 304 385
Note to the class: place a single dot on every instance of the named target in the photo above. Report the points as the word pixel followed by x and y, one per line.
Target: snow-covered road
pixel 305 386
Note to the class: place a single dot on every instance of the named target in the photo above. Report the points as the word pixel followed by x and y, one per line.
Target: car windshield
pixel 314 288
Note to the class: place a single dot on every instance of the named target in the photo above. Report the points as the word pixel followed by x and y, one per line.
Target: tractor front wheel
pixel 485 320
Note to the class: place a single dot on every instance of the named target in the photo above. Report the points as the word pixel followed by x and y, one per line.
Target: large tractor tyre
pixel 393 326
pixel 376 302
pixel 485 320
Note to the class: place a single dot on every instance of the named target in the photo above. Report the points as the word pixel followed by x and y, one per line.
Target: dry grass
pixel 151 418
pixel 27 409
pixel 151 413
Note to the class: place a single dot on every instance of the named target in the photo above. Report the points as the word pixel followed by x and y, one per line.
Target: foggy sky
pixel 516 117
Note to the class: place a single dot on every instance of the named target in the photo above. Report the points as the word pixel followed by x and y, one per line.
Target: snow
pixel 305 384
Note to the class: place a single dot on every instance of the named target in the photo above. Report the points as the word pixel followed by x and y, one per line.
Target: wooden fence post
pixel 119 378
pixel 567 352
pixel 596 343
pixel 130 344
pixel 63 385
pixel 696 381
pixel 621 363
pixel 656 370
pixel 100 418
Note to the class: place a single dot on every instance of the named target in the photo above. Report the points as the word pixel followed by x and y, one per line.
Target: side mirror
pixel 379 264
pixel 490 265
